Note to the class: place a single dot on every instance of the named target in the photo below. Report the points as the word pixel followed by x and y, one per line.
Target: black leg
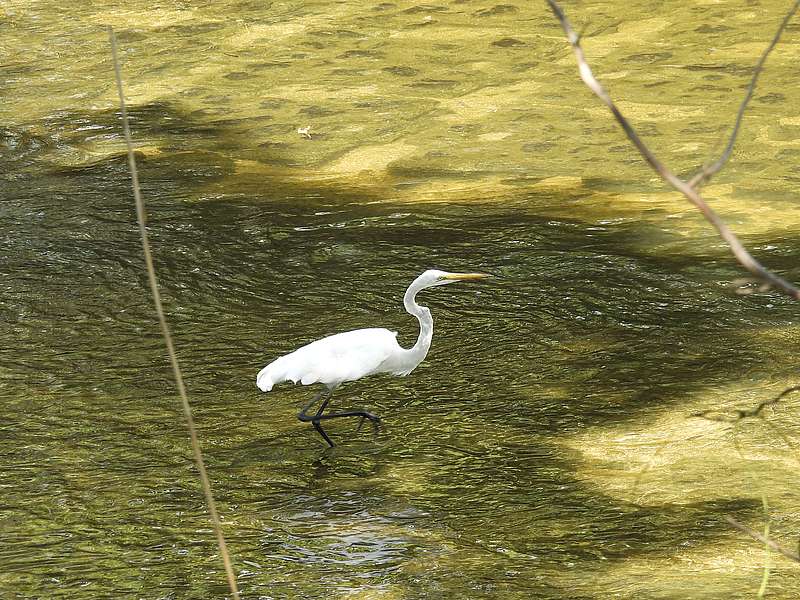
pixel 374 419
pixel 324 404
pixel 319 428
pixel 302 414
pixel 316 418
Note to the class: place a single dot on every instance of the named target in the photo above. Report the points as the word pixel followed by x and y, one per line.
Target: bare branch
pixel 151 274
pixel 765 578
pixel 739 251
pixel 707 172
pixel 761 538
pixel 745 413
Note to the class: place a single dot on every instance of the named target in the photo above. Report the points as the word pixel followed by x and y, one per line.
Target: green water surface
pixel 545 449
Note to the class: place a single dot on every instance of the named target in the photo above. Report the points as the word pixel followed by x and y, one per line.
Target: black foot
pixel 316 418
pixel 374 419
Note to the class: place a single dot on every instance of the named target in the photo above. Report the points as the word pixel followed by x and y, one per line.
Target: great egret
pixel 355 354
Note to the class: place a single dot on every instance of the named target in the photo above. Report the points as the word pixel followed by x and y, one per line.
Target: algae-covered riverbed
pixel 545 448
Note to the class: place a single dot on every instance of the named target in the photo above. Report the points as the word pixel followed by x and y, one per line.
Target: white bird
pixel 355 354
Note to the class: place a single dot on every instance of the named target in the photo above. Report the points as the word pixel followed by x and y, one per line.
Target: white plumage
pixel 355 354
pixel 333 360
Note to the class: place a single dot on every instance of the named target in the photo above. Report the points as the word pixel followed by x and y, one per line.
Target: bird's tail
pixel 274 373
pixel 265 378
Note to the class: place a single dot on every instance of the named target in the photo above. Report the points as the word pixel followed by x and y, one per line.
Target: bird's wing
pixel 347 356
pixel 363 352
pixel 332 360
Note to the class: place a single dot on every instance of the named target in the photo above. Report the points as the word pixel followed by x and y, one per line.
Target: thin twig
pixel 706 173
pixel 738 250
pixel 151 275
pixel 765 578
pixel 740 414
pixel 758 536
pixel 765 537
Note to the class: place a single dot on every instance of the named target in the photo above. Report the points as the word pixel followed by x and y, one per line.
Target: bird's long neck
pixel 417 353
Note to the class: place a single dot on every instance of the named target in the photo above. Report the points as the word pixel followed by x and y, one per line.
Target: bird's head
pixel 433 277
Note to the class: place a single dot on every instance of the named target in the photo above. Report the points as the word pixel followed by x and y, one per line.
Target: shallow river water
pixel 545 448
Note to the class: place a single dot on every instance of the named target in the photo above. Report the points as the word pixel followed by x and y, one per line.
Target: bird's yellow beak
pixel 465 276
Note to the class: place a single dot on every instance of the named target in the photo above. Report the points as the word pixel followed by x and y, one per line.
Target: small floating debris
pixel 252 564
pixel 305 131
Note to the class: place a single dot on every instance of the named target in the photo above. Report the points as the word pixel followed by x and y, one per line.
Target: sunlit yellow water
pixel 546 448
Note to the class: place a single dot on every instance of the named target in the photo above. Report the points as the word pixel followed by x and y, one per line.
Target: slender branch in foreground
pixel 765 577
pixel 761 538
pixel 151 275
pixel 706 173
pixel 739 251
